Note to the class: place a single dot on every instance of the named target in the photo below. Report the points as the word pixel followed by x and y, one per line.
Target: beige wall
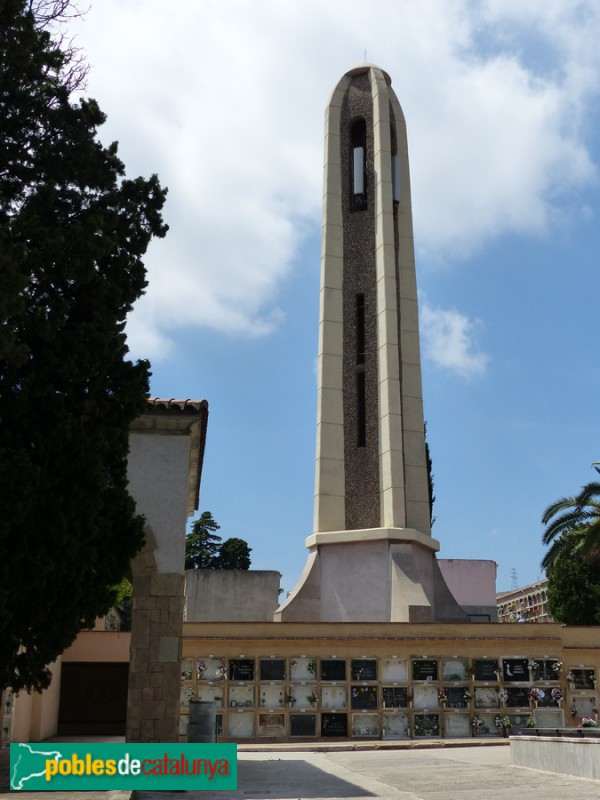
pixel 97 645
pixel 35 716
pixel 244 595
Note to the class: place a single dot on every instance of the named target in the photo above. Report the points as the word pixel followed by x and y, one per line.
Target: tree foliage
pixel 578 516
pixel 430 483
pixel 206 550
pixel 202 545
pixel 573 585
pixel 73 231
pixel 234 554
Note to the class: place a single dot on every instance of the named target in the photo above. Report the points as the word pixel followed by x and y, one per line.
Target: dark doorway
pixel 93 700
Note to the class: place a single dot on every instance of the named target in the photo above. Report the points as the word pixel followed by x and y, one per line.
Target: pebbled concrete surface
pixel 407 773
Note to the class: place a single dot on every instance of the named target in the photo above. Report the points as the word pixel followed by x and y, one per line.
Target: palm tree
pixel 574 525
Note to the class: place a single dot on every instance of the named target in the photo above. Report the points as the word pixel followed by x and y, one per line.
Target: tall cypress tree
pixel 73 231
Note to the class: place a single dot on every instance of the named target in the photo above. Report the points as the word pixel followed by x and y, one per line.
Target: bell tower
pixel 371 554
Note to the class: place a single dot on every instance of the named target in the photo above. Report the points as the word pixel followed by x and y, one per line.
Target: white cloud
pixel 224 99
pixel 448 339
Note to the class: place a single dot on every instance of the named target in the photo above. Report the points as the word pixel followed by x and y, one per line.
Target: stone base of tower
pixel 374 575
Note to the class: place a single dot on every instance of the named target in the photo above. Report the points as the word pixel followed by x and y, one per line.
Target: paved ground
pixel 432 773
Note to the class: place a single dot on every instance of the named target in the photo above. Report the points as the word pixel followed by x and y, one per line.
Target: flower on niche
pixel 222 670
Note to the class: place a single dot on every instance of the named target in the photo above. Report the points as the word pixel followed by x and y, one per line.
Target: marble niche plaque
pixel 485 669
pixel 395 725
pixel 549 717
pixel 515 670
pixel 457 725
pixel 486 697
pixel 240 725
pixel 272 669
pixel 186 694
pixel 303 725
pixel 271 696
pixel 489 727
pixel 363 669
pixel 583 678
pixel 519 723
pixel 425 669
pixel 455 669
pixel 334 725
pixel 214 694
pixel 210 668
pixel 517 697
pixel 544 697
pixel 455 697
pixel 427 725
pixel 300 694
pixel 395 696
pixel 303 668
pixel 241 696
pixel 394 669
pixel 364 725
pixel 333 669
pixel 241 669
pixel 187 669
pixel 363 697
pixel 546 669
pixel 426 697
pixel 333 697
pixel 584 706
pixel 271 725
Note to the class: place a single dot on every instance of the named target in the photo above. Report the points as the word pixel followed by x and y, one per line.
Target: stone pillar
pixel 166 450
pixel 154 670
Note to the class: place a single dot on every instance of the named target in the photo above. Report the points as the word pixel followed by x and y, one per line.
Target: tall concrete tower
pixel 371 555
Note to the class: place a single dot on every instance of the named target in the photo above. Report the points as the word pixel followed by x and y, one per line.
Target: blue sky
pixel 225 100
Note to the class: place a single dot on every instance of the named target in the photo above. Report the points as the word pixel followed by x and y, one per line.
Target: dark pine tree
pixel 202 544
pixel 73 231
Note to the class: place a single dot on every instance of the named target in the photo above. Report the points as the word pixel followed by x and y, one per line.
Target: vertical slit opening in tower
pixel 358 138
pixel 360 329
pixel 361 410
pixel 396 175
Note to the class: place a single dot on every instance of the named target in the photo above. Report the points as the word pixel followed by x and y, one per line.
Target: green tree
pixel 573 585
pixel 205 550
pixel 430 484
pixel 579 516
pixel 202 545
pixel 124 604
pixel 234 554
pixel 73 231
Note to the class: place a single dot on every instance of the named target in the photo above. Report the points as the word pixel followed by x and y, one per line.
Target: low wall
pixel 570 756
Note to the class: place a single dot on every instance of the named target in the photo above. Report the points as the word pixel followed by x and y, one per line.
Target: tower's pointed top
pixel 365 67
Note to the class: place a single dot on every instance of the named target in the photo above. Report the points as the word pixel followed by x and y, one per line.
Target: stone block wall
pixel 154 670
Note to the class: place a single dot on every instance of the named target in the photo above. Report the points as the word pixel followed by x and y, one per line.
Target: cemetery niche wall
pixel 295 681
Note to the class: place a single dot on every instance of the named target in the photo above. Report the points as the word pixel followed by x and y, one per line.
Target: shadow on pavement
pixel 280 780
